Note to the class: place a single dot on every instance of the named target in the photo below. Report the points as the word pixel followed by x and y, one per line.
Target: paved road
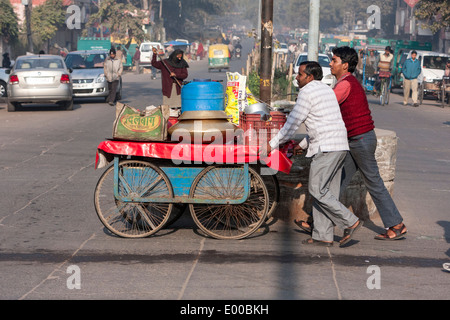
pixel 50 232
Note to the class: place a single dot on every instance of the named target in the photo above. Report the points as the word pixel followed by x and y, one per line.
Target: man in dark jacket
pixel 6 63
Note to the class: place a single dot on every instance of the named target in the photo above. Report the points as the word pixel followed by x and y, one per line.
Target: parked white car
pixel 282 48
pixel 324 62
pixel 147 53
pixel 433 65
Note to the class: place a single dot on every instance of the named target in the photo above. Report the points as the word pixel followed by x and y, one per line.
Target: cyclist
pixel 384 67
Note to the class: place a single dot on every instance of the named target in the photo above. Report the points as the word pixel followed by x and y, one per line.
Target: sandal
pixel 305 226
pixel 348 233
pixel 397 231
pixel 318 243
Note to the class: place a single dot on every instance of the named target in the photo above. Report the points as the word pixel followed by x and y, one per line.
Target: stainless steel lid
pixel 203 115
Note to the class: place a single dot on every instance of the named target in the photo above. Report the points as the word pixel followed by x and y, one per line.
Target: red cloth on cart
pixel 193 153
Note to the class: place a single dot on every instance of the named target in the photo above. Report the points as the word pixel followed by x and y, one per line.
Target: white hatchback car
pixel 324 62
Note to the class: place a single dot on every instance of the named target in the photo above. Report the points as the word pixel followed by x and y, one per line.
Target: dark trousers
pixel 362 157
pixel 112 88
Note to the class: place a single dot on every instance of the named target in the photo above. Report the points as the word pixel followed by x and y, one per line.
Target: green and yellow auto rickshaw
pixel 219 57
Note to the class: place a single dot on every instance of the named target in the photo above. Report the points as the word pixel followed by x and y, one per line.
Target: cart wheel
pixel 228 221
pixel 273 189
pixel 133 219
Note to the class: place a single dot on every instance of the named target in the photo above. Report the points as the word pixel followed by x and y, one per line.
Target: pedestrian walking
pixel 173 71
pixel 113 71
pixel 411 70
pixel 362 141
pixel 327 144
pixel 137 60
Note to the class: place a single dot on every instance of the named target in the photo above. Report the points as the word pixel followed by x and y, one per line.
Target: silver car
pixel 39 79
pixel 88 78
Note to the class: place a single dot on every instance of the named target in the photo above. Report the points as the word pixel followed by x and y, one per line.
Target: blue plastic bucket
pixel 202 95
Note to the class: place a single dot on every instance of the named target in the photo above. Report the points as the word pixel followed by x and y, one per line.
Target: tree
pixel 176 12
pixel 435 13
pixel 46 19
pixel 9 28
pixel 123 19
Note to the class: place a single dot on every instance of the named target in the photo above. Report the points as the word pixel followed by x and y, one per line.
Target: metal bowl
pixel 258 108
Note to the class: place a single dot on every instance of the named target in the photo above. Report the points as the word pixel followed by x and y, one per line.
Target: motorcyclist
pixel 238 49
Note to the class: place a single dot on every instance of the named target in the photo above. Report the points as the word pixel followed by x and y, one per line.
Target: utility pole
pixel 265 86
pixel 313 33
pixel 28 4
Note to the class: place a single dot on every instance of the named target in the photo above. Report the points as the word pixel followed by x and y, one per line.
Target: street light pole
pixel 265 87
pixel 313 33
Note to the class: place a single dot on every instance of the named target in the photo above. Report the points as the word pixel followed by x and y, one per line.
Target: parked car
pixel 39 79
pixel 147 53
pixel 324 61
pixel 433 68
pixel 88 77
pixel 3 81
pixel 282 48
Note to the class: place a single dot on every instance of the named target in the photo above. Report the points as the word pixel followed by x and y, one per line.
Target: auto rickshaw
pixel 219 57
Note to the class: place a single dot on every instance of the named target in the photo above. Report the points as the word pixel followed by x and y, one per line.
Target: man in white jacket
pixel 113 71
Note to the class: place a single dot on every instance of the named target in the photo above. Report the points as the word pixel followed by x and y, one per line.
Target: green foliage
pixel 253 83
pixel 46 19
pixel 123 19
pixel 8 21
pixel 436 13
pixel 279 86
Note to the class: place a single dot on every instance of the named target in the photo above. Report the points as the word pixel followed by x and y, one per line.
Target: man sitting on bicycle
pixel 384 68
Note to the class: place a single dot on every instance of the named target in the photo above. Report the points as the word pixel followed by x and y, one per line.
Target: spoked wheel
pixel 387 93
pixel 384 93
pixel 273 189
pixel 133 219
pixel 228 221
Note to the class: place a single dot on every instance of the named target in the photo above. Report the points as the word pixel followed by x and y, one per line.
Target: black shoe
pixel 415 105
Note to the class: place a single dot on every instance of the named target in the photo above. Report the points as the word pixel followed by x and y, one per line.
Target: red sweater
pixel 167 81
pixel 354 107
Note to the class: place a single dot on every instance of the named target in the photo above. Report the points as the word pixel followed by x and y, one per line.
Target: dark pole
pixel 266 51
pixel 28 23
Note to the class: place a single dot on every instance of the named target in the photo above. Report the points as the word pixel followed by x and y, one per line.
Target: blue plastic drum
pixel 202 95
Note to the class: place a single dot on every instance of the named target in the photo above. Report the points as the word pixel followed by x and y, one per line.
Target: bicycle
pixel 386 82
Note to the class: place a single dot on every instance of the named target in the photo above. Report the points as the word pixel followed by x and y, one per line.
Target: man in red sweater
pixel 362 141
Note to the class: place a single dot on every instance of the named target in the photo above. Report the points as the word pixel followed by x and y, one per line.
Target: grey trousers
pixel 362 157
pixel 324 186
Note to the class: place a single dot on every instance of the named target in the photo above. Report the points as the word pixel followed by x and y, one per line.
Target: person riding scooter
pixel 238 50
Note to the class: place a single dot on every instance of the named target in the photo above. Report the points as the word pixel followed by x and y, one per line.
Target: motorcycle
pixel 237 53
